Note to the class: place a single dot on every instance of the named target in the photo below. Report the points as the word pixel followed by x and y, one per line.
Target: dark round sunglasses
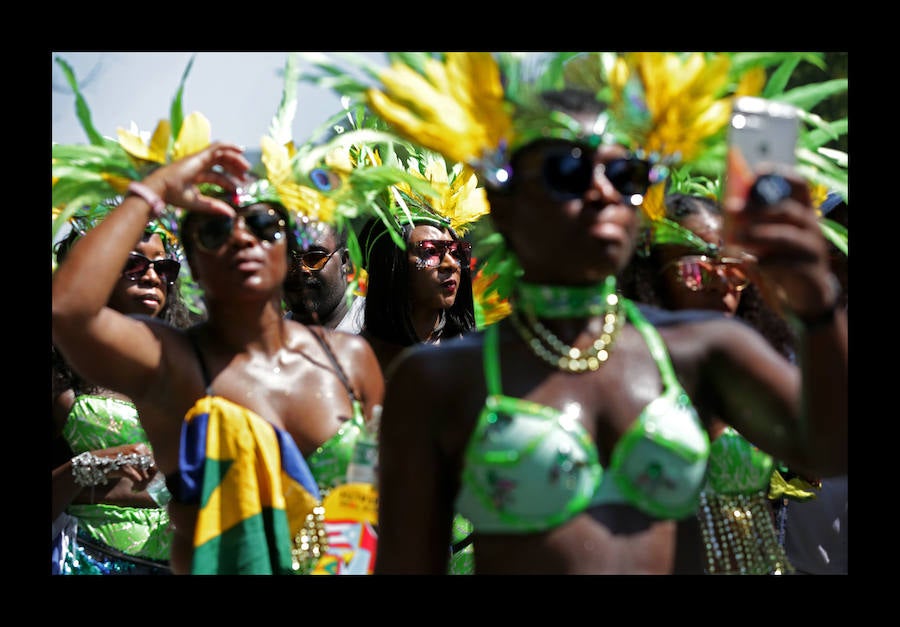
pixel 430 252
pixel 265 224
pixel 137 266
pixel 313 260
pixel 568 171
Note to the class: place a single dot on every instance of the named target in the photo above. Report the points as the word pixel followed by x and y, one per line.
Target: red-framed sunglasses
pixel 430 252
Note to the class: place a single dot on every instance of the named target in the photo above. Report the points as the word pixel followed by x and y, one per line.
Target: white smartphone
pixel 763 132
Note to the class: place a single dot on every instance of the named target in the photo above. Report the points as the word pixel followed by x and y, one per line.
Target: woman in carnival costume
pixel 109 499
pixel 573 433
pixel 682 270
pixel 680 266
pixel 416 273
pixel 236 405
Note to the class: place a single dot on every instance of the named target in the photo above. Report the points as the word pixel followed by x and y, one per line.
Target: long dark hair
pixel 388 313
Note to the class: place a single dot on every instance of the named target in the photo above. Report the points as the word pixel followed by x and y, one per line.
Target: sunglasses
pixel 568 171
pixel 699 272
pixel 265 224
pixel 430 252
pixel 313 260
pixel 137 266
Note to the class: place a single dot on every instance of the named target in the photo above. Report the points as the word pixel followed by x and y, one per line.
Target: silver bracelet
pixel 90 470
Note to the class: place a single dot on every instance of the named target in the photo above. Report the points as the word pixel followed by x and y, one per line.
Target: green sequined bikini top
pixel 96 422
pixel 529 467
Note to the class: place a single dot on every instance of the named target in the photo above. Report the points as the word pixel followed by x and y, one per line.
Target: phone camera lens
pixel 769 189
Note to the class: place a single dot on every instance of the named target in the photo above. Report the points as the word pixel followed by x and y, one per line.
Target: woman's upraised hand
pixel 220 163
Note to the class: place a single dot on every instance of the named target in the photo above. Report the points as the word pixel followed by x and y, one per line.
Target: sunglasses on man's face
pixel 568 171
pixel 430 252
pixel 699 272
pixel 265 224
pixel 137 266
pixel 313 260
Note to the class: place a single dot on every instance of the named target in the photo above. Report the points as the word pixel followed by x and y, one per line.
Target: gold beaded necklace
pixel 574 302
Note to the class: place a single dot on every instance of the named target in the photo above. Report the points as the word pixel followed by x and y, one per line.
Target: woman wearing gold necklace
pixel 573 433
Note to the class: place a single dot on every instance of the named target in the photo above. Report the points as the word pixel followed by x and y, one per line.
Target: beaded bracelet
pixel 90 470
pixel 157 204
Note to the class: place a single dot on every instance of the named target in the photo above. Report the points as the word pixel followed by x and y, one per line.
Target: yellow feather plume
pixel 685 96
pixel 194 136
pixel 298 198
pixel 457 108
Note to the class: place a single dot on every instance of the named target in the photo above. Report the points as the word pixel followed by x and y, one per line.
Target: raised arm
pixel 103 345
pixel 795 275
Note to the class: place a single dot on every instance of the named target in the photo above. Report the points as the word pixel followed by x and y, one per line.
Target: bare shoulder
pixel 347 346
pixel 451 363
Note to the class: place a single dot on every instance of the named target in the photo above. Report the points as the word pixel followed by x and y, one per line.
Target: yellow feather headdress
pixel 88 175
pixel 477 108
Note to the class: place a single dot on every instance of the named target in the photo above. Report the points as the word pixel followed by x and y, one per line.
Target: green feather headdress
pixel 88 175
pixel 477 108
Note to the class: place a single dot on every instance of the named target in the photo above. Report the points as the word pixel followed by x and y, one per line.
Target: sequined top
pixel 529 467
pixel 98 422
pixel 736 466
pixel 329 462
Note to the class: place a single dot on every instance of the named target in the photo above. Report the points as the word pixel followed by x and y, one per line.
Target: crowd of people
pixel 347 395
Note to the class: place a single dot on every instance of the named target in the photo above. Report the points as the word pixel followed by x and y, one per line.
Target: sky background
pixel 238 92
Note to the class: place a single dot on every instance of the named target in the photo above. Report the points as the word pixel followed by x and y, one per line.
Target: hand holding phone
pixel 762 138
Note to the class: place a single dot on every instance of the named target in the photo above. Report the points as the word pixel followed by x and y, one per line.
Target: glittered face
pixel 436 272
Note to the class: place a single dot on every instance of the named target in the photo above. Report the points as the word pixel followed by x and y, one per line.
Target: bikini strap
pixel 339 371
pixel 492 360
pixel 195 344
pixel 654 343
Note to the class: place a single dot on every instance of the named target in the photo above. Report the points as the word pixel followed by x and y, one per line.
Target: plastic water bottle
pixel 363 467
pixel 158 491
